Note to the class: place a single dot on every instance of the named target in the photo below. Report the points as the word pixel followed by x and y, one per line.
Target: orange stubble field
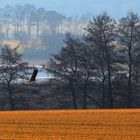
pixel 70 125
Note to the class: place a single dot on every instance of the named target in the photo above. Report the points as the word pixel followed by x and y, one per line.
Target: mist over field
pixel 42 35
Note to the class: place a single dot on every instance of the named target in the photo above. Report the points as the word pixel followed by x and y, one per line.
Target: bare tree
pixel 64 65
pixel 129 31
pixel 19 21
pixel 54 20
pixel 7 18
pixel 30 12
pixel 39 18
pixel 10 69
pixel 101 35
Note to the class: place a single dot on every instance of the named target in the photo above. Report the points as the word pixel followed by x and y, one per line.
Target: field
pixel 70 125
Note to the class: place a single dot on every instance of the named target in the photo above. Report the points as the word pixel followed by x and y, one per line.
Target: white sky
pixel 115 8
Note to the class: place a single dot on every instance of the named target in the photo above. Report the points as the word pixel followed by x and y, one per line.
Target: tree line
pixel 103 65
pixel 26 22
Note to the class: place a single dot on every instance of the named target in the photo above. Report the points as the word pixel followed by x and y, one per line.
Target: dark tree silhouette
pixel 10 69
pixel 129 31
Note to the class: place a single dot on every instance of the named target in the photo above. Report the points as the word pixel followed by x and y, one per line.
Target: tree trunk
pixel 7 33
pixel 73 95
pixel 108 56
pixel 29 32
pixel 103 93
pixel 29 28
pixel 110 87
pixel 10 97
pixel 37 31
pixel 85 99
pixel 103 87
pixel 85 94
pixel 129 105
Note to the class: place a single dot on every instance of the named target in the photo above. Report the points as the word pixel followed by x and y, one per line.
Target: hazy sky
pixel 115 8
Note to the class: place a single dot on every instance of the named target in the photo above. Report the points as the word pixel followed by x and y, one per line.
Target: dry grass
pixel 70 125
pixel 12 43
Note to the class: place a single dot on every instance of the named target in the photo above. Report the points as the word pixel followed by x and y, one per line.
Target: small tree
pixel 10 69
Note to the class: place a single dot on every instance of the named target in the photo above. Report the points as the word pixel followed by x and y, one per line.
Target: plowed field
pixel 70 125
